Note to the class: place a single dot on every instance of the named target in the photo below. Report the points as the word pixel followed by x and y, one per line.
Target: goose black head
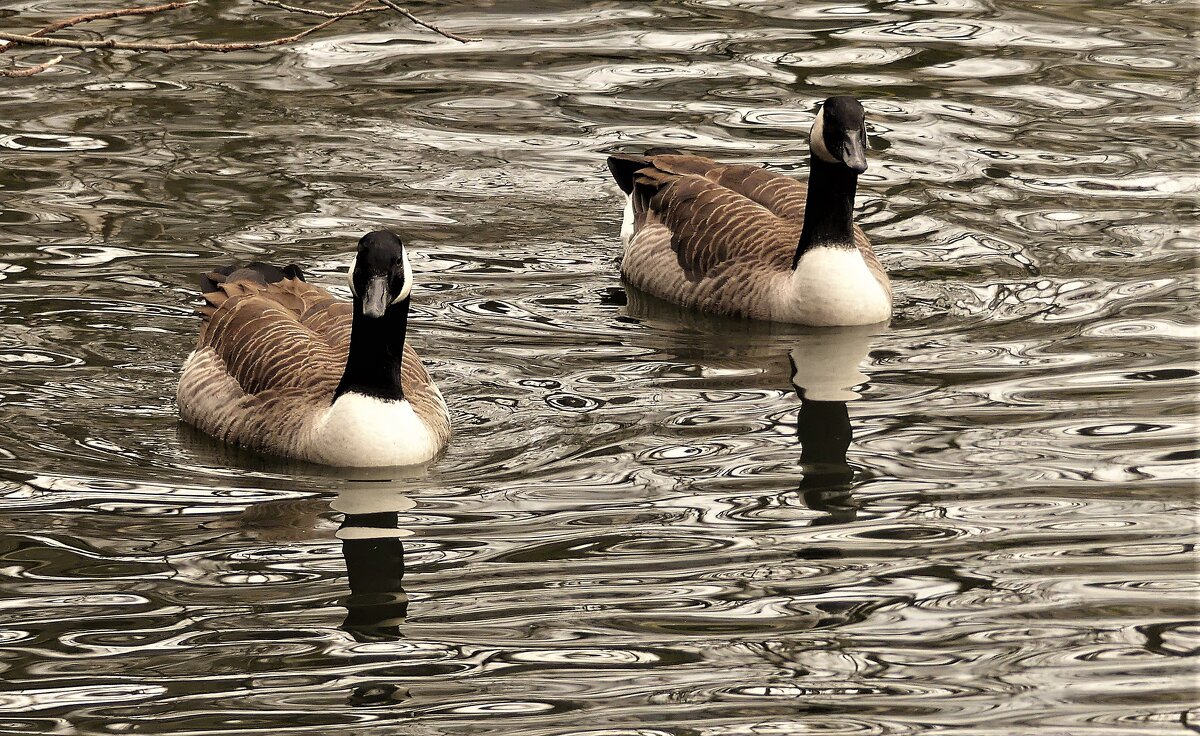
pixel 839 134
pixel 380 276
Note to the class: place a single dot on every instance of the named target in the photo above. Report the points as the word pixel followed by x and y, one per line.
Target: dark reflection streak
pixel 823 428
pixel 824 369
pixel 377 603
pixel 374 554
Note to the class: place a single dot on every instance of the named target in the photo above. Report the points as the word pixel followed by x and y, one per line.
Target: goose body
pixel 284 367
pixel 742 241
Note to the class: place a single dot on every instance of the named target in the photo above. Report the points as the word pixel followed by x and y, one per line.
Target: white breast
pixel 831 286
pixel 363 431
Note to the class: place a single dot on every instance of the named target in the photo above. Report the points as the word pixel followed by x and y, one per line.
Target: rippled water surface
pixel 977 520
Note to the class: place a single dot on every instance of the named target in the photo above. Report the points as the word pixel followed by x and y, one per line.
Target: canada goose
pixel 284 367
pixel 742 241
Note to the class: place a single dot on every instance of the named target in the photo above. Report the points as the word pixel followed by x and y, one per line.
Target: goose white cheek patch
pixel 407 287
pixel 350 279
pixel 816 139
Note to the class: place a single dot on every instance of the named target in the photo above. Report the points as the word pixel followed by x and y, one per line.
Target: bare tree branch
pixel 386 5
pixel 321 13
pixel 29 71
pixel 104 14
pixel 42 37
pixel 101 15
pixel 427 24
pixel 108 43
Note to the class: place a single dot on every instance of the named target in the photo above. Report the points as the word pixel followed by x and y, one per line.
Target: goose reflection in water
pixel 373 548
pixel 374 551
pixel 372 545
pixel 825 370
pixel 369 532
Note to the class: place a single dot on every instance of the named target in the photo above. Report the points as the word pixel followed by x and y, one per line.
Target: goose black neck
pixel 376 353
pixel 828 208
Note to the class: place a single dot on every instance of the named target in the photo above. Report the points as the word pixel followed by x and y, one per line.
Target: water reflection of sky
pixel 646 520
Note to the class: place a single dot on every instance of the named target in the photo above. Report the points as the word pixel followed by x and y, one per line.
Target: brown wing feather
pixel 259 333
pixel 781 195
pixel 424 396
pixel 714 227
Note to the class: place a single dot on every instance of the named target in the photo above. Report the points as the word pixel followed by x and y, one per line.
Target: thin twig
pixel 387 3
pixel 41 38
pixel 101 15
pixel 427 24
pixel 108 43
pixel 321 13
pixel 104 14
pixel 29 71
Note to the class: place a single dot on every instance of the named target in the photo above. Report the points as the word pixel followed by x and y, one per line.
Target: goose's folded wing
pixel 782 195
pixel 324 314
pixel 315 308
pixel 712 227
pixel 872 260
pixel 423 394
pixel 265 346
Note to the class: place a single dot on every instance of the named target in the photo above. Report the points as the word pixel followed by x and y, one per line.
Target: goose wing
pixel 782 195
pixel 709 213
pixel 285 335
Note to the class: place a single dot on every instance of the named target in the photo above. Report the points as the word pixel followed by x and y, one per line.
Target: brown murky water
pixel 641 527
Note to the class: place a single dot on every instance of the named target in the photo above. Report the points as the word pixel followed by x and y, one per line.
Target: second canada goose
pixel 286 368
pixel 741 241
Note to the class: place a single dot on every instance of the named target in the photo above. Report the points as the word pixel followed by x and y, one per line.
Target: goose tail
pixel 625 166
pixel 262 273
pixel 221 284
